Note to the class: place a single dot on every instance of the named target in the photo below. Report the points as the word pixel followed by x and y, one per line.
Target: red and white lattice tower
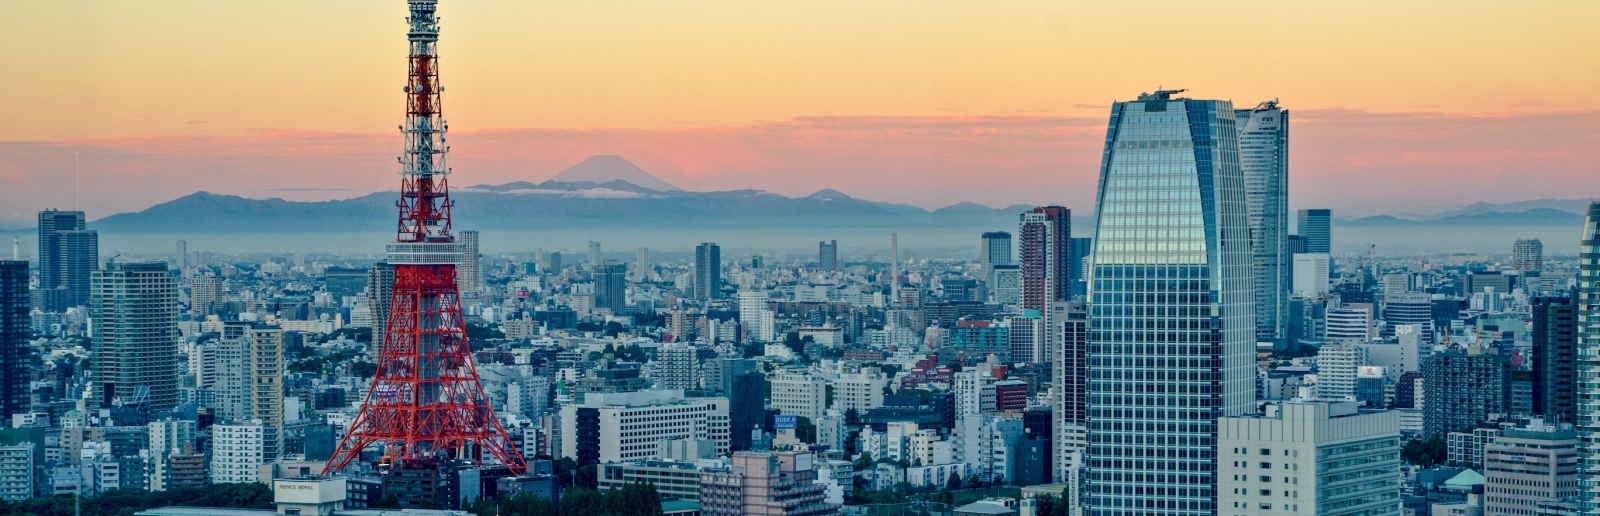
pixel 426 401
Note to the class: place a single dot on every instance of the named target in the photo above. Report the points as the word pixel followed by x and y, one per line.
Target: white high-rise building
pixel 1336 371
pixel 237 452
pixel 1311 275
pixel 470 274
pixel 799 394
pixel 1264 160
pixel 675 366
pixel 974 392
pixel 1280 462
pixel 757 320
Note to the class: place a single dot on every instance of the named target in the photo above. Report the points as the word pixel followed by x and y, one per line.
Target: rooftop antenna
pixel 77 166
pixel 14 249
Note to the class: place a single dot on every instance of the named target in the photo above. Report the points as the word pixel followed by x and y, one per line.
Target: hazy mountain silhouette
pixel 606 168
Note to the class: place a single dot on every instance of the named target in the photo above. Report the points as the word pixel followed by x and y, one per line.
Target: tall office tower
pixel 1264 160
pixel 1461 390
pixel 611 286
pixel 707 271
pixel 828 255
pixel 471 277
pixel 80 252
pixel 594 253
pixel 1555 333
pixel 1071 381
pixel 181 256
pixel 1172 308
pixel 997 248
pixel 1527 254
pixel 266 388
pixel 14 332
pixel 135 314
pixel 641 264
pixel 51 223
pixel 1408 308
pixel 1316 227
pixel 1589 360
pixel 555 263
pixel 380 286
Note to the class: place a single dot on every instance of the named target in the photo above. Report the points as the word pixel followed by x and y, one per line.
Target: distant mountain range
pixel 610 192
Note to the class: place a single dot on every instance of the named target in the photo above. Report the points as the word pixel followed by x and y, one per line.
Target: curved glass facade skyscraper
pixel 1589 362
pixel 1264 161
pixel 1171 303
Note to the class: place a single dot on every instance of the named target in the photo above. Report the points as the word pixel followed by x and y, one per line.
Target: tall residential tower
pixel 1172 308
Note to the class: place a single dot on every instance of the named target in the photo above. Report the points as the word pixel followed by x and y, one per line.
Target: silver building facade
pixel 1171 303
pixel 1264 160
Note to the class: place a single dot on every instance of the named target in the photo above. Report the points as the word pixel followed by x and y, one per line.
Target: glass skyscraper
pixel 1264 160
pixel 1589 363
pixel 1316 227
pixel 1171 304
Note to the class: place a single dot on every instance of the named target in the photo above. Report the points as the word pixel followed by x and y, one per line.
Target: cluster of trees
pixel 635 499
pixel 1425 453
pixel 125 502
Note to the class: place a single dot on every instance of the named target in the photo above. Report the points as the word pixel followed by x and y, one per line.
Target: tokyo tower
pixel 426 401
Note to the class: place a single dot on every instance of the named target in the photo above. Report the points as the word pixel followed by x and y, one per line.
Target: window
pixel 1266 465
pixel 1265 451
pixel 1265 478
pixel 1266 492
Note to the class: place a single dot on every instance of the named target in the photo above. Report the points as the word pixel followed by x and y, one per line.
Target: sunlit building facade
pixel 1171 325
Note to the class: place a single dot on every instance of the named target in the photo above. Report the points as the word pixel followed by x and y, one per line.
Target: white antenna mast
pixel 77 204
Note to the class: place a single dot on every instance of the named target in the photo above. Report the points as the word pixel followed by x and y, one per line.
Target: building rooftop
pixel 1465 478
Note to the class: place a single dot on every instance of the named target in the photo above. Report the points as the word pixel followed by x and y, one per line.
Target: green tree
pixel 805 430
pixel 865 462
pixel 389 501
pixel 586 477
pixel 1425 453
pixel 953 483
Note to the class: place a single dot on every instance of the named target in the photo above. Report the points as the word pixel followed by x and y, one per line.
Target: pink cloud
pixel 1354 161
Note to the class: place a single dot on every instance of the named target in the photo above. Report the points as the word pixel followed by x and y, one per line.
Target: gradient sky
pixel 1396 106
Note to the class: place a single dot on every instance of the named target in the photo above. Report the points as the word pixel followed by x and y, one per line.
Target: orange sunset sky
pixel 1396 106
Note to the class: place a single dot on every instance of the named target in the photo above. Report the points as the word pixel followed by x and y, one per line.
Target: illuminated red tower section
pixel 426 401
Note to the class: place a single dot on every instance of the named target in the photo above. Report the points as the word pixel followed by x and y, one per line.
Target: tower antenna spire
pixel 426 403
